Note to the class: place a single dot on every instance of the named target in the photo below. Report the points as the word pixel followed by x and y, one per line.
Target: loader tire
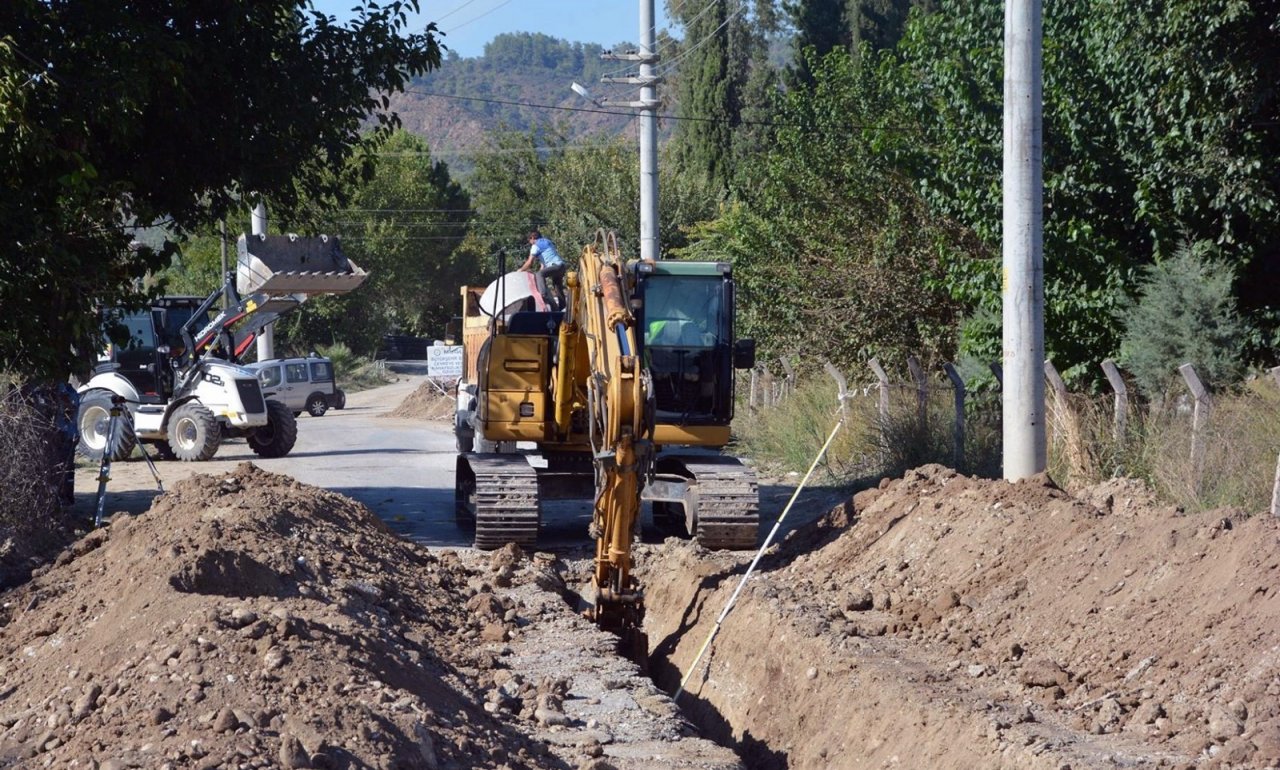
pixel 277 437
pixel 92 421
pixel 194 433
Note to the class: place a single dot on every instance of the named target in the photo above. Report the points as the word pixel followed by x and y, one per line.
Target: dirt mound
pixel 248 620
pixel 427 402
pixel 971 623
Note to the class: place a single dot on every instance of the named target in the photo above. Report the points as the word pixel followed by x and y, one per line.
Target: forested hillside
pixel 460 105
pixel 844 155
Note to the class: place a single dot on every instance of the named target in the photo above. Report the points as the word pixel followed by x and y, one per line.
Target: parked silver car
pixel 302 384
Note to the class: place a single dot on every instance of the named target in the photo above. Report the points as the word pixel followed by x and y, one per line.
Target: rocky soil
pixel 942 621
pixel 249 621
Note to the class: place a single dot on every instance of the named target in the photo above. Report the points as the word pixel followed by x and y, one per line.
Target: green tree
pixel 570 190
pixel 878 25
pixel 1159 127
pixel 405 226
pixel 1184 313
pixel 708 84
pixel 821 26
pixel 121 113
pixel 834 251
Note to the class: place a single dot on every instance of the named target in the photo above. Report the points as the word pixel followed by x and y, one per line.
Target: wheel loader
pixel 625 396
pixel 179 370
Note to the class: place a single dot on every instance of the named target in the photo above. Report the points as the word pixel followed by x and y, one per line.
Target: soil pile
pixel 426 402
pixel 943 621
pixel 250 621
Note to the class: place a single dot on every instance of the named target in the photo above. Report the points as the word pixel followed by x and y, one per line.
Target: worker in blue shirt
pixel 552 267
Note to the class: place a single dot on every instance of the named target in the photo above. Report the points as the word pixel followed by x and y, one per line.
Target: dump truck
pixel 179 371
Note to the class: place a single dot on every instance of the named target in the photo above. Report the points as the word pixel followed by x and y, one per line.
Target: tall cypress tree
pixel 879 24
pixel 709 83
pixel 822 25
pixel 760 86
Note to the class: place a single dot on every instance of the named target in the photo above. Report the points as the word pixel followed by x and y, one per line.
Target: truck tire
pixel 92 421
pixel 277 437
pixel 317 404
pixel 339 399
pixel 194 433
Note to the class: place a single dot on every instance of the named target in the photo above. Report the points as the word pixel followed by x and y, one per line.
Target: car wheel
pixel 93 420
pixel 277 437
pixel 194 433
pixel 317 405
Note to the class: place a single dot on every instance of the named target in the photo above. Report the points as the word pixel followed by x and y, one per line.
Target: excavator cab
pixel 686 316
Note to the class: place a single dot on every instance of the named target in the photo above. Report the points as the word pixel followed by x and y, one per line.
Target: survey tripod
pixel 119 414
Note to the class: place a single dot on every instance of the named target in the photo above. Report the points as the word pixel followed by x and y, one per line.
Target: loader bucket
pixel 291 264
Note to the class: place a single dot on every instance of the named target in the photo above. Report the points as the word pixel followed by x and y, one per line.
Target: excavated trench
pixel 962 623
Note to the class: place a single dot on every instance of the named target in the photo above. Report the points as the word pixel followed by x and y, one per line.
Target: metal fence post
pixel 1199 418
pixel 884 389
pixel 789 378
pixel 1112 371
pixel 766 386
pixel 1275 491
pixel 884 404
pixel 922 392
pixel 957 384
pixel 842 386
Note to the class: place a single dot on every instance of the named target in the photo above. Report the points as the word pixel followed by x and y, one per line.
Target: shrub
pixel 31 469
pixel 1185 313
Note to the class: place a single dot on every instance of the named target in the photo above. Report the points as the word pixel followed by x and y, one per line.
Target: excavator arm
pixel 599 325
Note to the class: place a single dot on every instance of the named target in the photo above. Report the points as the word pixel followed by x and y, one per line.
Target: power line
pixel 663 116
pixel 457 27
pixel 671 64
pixel 455 10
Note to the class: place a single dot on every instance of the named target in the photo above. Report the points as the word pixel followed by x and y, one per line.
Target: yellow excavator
pixel 625 396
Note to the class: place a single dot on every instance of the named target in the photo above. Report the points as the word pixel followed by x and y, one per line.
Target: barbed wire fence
pixel 1092 435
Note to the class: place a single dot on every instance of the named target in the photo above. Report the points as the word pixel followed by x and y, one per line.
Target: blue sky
pixel 469 24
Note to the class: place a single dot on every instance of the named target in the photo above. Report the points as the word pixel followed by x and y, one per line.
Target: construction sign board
pixel 444 361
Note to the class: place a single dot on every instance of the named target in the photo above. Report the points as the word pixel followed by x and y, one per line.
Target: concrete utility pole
pixel 266 344
pixel 1023 279
pixel 648 107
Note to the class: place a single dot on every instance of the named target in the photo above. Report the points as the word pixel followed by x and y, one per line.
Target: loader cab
pixel 133 350
pixel 686 315
pixel 152 345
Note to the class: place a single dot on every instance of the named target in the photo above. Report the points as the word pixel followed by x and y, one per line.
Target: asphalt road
pixel 402 469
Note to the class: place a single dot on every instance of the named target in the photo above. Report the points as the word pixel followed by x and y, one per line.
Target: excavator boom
pixel 620 421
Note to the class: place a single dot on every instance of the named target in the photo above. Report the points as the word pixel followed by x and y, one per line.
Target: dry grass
pixel 786 437
pixel 31 472
pixel 1241 440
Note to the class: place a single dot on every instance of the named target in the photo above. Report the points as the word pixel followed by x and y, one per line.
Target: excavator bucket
pixel 291 264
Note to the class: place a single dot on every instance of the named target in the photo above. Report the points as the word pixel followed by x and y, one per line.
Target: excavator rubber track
pixel 728 515
pixel 506 501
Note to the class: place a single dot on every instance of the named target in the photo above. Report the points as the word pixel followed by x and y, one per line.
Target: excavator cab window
pixel 687 347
